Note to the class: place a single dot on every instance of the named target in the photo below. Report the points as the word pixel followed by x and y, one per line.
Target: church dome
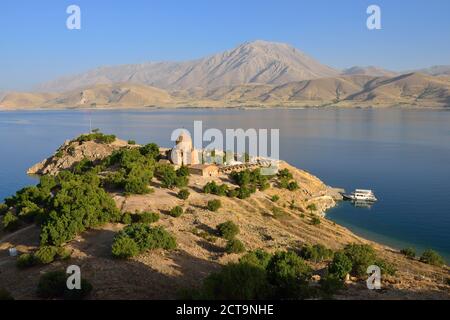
pixel 184 142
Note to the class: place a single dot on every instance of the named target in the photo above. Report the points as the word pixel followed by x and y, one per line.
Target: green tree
pixel 183 194
pixel 228 230
pixel 124 248
pixel 289 274
pixel 234 246
pixel 176 212
pixel 432 257
pixel 341 265
pixel 214 205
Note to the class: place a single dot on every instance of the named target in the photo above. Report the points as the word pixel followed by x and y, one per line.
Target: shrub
pixel 214 205
pixel 26 260
pixel 54 285
pixel 316 253
pixel 150 150
pixel 228 230
pixel 98 137
pixel 340 266
pixel 213 188
pixel 147 217
pixel 170 178
pixel 285 173
pixel 234 246
pixel 409 252
pixel 183 194
pixel 235 281
pixel 292 186
pixel 330 285
pixel 312 207
pixel 315 221
pixel 126 218
pixel 124 247
pixel 10 222
pixel 361 256
pixel 432 257
pixel 183 171
pixel 63 253
pixel 3 209
pixel 5 295
pixel 259 258
pixel 176 212
pixel 144 236
pixel 232 193
pixel 289 273
pixel 46 254
pixel 275 198
pixel 79 204
pixel 132 142
pixel 244 192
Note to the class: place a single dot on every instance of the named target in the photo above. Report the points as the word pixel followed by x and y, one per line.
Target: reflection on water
pixel 403 155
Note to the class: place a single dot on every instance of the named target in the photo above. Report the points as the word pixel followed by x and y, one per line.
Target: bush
pixel 275 198
pixel 3 209
pixel 232 193
pixel 98 137
pixel 214 205
pixel 79 204
pixel 292 186
pixel 432 257
pixel 316 253
pixel 10 222
pixel 5 295
pixel 234 246
pixel 147 217
pixel 228 230
pixel 340 266
pixel 26 260
pixel 289 273
pixel 315 221
pixel 150 150
pixel 126 218
pixel 312 207
pixel 361 256
pixel 176 212
pixel 124 247
pixel 409 252
pixel 213 188
pixel 258 258
pixel 63 253
pixel 235 281
pixel 330 285
pixel 285 174
pixel 183 194
pixel 132 142
pixel 144 236
pixel 46 254
pixel 53 285
pixel 170 178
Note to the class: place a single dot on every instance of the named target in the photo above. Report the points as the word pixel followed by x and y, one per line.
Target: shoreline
pixel 246 108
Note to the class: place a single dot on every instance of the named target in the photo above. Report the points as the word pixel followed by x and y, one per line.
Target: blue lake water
pixel 403 155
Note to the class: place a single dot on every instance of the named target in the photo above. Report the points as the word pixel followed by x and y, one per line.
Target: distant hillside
pixel 436 71
pixel 414 89
pixel 368 71
pixel 251 62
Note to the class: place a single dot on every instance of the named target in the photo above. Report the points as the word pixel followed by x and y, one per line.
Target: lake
pixel 403 155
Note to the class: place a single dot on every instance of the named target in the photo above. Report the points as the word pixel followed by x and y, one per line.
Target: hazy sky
pixel 36 46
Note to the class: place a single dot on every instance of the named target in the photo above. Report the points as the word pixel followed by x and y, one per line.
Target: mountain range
pixel 258 73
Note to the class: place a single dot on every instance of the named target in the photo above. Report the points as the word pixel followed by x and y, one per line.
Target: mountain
pixel 252 62
pixel 436 71
pixel 368 71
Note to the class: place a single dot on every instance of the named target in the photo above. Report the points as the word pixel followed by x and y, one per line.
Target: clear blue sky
pixel 35 45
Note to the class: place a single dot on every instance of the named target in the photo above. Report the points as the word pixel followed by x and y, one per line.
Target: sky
pixel 36 46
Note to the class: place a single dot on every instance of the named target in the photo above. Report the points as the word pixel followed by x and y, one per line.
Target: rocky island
pixel 142 227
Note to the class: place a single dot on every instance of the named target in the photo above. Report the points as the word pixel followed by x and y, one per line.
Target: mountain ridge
pixel 413 90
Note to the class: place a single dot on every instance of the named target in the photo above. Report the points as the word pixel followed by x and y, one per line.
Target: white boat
pixel 362 195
